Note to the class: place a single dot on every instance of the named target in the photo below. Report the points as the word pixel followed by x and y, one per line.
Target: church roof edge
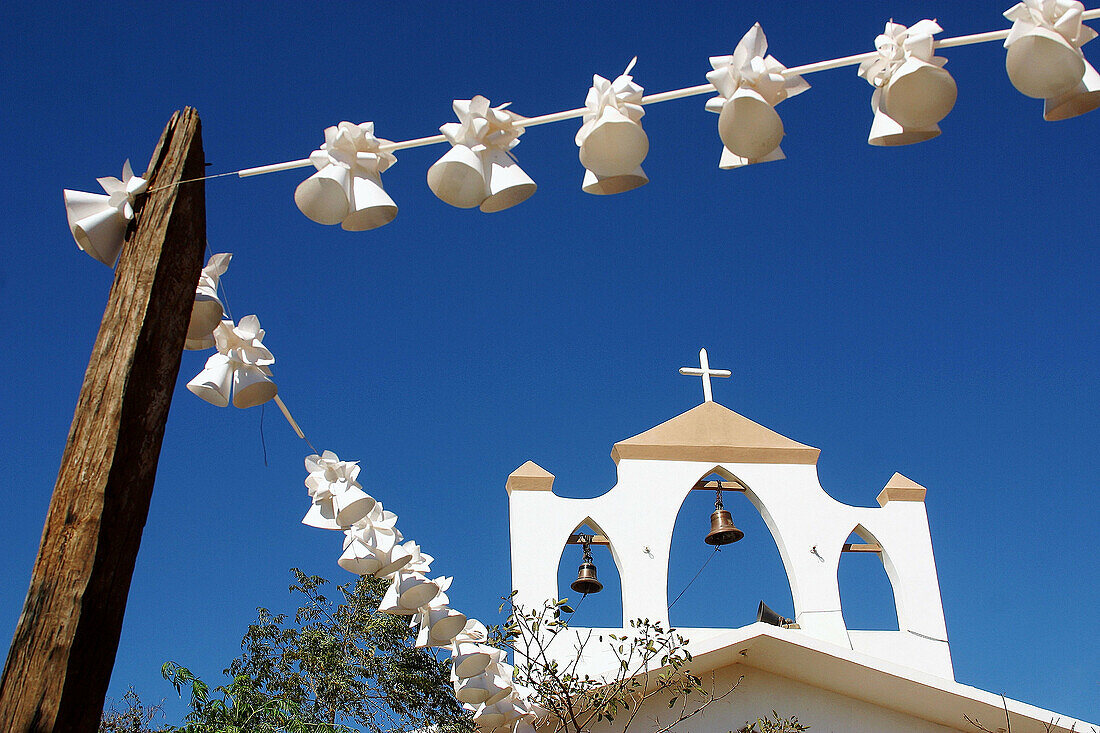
pixel 713 432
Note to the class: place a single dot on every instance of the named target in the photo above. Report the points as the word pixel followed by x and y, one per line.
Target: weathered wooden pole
pixel 60 661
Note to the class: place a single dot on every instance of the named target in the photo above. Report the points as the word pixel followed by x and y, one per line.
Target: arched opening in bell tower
pixel 866 592
pixel 722 586
pixel 602 609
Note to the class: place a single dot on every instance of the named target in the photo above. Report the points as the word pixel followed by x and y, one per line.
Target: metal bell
pixel 722 531
pixel 586 582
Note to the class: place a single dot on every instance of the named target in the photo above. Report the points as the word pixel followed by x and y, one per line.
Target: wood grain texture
pixel 60 661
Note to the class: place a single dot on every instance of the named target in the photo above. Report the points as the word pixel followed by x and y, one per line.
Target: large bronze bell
pixel 722 531
pixel 586 582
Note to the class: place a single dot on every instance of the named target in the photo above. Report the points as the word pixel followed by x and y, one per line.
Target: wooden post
pixel 60 661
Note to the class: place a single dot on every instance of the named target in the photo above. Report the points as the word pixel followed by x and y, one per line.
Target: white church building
pixel 834 678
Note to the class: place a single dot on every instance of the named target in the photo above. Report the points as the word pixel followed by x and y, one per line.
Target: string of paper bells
pixel 373 545
pixel 912 93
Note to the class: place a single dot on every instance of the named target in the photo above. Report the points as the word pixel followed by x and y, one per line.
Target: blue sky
pixel 929 309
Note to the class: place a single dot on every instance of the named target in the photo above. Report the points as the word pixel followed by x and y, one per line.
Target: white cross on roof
pixel 706 373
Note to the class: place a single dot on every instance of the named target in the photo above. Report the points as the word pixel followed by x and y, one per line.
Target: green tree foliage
pixel 344 666
pixel 653 663
pixel 335 666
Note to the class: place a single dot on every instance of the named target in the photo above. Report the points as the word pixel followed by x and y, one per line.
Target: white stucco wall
pixel 761 692
pixel 809 528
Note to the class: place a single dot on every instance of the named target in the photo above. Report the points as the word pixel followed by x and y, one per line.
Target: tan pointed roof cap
pixel 530 477
pixel 711 432
pixel 901 488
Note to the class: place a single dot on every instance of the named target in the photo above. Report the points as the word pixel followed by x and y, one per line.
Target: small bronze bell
pixel 722 531
pixel 586 582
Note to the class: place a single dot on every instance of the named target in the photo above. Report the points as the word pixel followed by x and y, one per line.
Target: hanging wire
pixel 576 607
pixel 263 443
pixel 716 549
pixel 193 180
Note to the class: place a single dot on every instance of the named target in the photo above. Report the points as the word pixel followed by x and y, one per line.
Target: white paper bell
pixel 390 564
pixel 886 131
pixel 749 126
pixel 469 659
pixel 486 688
pixel 347 187
pixel 508 183
pixel 444 625
pixel 368 549
pixel 242 355
pixel 386 566
pixel 502 712
pixel 439 626
pixel 98 222
pixel 371 206
pixel 406 556
pixel 919 94
pixel 615 146
pixel 99 229
pixel 339 502
pixel 321 516
pixel 383 558
pixel 252 386
pixel 488 717
pixel 214 381
pixel 750 83
pixel 604 186
pixel 324 197
pixel 1083 98
pixel 505 689
pixel 359 559
pixel 458 178
pixel 408 593
pixel 1043 64
pixel 611 139
pixel 206 314
pixel 207 311
pixel 912 90
pixel 351 505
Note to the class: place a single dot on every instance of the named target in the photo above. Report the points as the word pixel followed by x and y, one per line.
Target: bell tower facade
pixel 655 472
